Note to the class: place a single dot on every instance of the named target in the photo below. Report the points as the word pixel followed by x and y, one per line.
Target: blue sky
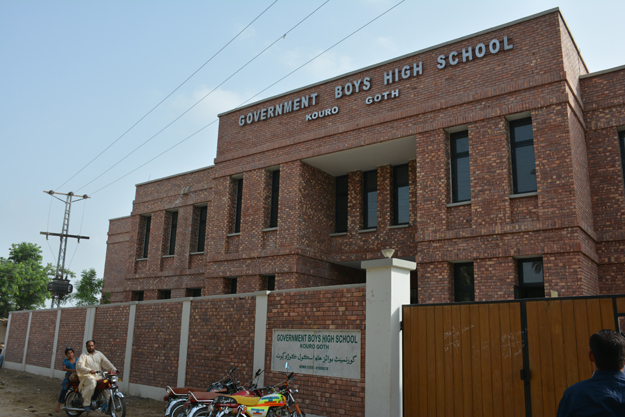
pixel 76 75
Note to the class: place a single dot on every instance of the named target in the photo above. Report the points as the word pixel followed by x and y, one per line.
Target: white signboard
pixel 317 352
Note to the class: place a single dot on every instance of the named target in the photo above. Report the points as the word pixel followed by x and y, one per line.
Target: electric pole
pixel 60 286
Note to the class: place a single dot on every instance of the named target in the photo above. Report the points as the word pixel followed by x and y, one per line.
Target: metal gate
pixel 509 358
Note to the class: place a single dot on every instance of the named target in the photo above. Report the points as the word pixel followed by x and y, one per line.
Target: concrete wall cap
pixel 384 263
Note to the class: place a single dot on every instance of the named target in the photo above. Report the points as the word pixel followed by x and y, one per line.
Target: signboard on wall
pixel 333 353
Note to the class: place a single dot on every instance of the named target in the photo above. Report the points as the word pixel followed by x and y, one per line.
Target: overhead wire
pixel 216 120
pixel 169 95
pixel 204 97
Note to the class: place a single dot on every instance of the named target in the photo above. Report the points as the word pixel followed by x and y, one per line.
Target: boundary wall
pixel 195 341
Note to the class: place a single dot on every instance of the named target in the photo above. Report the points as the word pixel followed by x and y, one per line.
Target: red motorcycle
pixel 116 404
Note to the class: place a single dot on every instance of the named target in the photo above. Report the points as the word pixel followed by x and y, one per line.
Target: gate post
pixel 388 288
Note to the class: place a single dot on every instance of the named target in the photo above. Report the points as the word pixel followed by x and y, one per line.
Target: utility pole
pixel 60 286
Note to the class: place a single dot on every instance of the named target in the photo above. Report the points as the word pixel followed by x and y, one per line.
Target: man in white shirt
pixel 87 366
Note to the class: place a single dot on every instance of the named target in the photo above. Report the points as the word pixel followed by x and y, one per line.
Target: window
pixel 370 199
pixel 137 296
pixel 193 292
pixel 237 205
pixel 275 196
pixel 163 294
pixel 146 236
pixel 622 144
pixel 401 194
pixel 172 232
pixel 271 282
pixel 463 282
pixel 523 163
pixel 232 285
pixel 201 231
pixel 531 280
pixel 340 214
pixel 460 172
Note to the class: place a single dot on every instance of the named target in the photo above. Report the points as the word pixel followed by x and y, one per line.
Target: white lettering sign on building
pixel 333 353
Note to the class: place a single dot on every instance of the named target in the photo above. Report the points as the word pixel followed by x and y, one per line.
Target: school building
pixel 494 161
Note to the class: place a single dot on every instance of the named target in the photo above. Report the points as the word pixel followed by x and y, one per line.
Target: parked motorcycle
pixel 116 404
pixel 176 397
pixel 200 403
pixel 279 403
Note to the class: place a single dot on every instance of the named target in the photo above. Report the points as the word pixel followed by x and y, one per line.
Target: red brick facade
pixel 575 221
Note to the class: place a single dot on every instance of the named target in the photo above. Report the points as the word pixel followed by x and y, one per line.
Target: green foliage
pixel 89 289
pixel 23 279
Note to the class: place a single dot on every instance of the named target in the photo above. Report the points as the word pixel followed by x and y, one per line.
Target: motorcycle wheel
pixel 178 411
pixel 278 412
pixel 119 406
pixel 71 397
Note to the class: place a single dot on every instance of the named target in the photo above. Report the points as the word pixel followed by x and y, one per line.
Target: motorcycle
pixel 200 403
pixel 116 404
pixel 176 397
pixel 280 402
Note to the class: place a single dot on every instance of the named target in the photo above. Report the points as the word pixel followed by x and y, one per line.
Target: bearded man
pixel 87 367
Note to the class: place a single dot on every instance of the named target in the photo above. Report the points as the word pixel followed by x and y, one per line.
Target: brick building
pixel 494 161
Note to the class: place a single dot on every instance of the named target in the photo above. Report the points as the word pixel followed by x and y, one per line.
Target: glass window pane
pixel 521 130
pixel 532 272
pixel 463 180
pixel 461 144
pixel 372 210
pixel 525 170
pixel 403 205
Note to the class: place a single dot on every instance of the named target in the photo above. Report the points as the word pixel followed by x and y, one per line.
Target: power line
pixel 308 62
pixel 160 154
pixel 205 96
pixel 214 121
pixel 169 95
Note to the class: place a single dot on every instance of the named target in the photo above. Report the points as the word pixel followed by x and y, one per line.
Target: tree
pixel 89 289
pixel 23 279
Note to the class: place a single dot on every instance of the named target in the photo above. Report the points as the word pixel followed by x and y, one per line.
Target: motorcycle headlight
pixel 114 378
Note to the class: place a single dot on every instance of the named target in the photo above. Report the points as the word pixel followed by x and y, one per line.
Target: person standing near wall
pixel 1 358
pixel 88 365
pixel 604 393
pixel 69 366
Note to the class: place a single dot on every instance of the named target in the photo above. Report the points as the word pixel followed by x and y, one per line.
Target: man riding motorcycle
pixel 88 365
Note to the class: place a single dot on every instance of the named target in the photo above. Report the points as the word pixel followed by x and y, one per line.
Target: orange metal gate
pixel 495 359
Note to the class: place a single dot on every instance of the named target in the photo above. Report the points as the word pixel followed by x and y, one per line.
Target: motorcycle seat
pixel 205 396
pixel 183 390
pixel 247 401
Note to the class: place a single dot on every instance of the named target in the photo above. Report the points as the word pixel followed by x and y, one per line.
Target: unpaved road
pixel 24 394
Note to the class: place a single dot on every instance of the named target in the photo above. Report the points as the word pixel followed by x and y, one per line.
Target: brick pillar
pixel 354 202
pixel 385 197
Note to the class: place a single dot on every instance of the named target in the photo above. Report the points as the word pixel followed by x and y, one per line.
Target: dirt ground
pixel 24 394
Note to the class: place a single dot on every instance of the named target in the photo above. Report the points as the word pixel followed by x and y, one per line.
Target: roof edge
pixel 421 51
pixel 605 71
pixel 174 175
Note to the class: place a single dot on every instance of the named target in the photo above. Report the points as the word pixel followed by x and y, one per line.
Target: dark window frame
pixel 163 294
pixel 194 292
pixel 514 124
pixel 237 204
pixel 275 198
pixel 271 282
pixel 455 157
pixel 233 285
pixel 369 187
pixel 530 289
pixel 137 295
pixel 341 204
pixel 463 289
pixel 146 236
pixel 397 184
pixel 173 230
pixel 621 140
pixel 201 232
